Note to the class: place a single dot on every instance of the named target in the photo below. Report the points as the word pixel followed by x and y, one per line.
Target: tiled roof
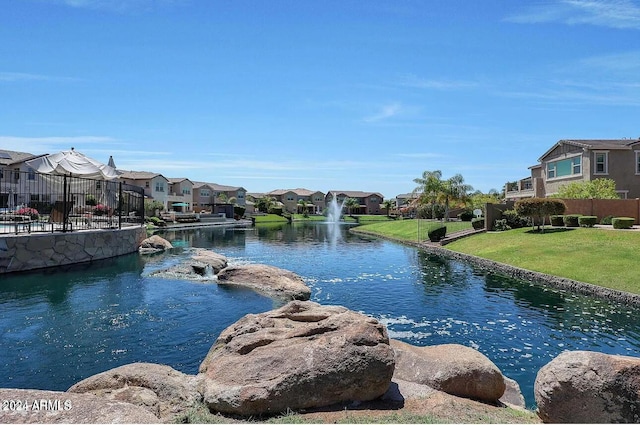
pixel 13 157
pixel 298 191
pixel 139 175
pixel 354 193
pixel 613 144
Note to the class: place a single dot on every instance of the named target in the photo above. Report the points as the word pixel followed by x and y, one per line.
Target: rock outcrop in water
pixel 302 355
pixel 154 244
pixel 269 280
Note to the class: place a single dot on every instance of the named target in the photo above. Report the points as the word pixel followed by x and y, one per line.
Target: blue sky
pixel 324 95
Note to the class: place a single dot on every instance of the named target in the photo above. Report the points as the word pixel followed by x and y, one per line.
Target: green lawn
pixel 408 229
pixel 607 258
pixel 270 218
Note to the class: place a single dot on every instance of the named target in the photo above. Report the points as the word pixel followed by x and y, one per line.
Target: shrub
pixel 478 223
pixel 501 225
pixel 276 210
pixel 539 208
pixel 571 220
pixel 238 211
pixel 587 220
pixel 557 220
pixel 515 220
pixel 466 216
pixel 622 222
pixel 606 220
pixel 31 212
pixel 90 200
pixel 437 233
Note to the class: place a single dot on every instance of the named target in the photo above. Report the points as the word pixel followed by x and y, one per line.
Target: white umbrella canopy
pixel 72 163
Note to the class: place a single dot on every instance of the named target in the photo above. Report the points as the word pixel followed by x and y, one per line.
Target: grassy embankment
pixel 607 258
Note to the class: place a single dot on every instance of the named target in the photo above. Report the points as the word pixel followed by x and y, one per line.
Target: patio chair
pixel 58 214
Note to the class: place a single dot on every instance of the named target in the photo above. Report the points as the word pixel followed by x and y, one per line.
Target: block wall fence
pixel 598 207
pixel 24 252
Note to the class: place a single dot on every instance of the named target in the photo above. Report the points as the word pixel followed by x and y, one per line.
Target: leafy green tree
pixel 479 200
pixel 264 204
pixel 592 189
pixel 539 208
pixel 303 205
pixel 151 206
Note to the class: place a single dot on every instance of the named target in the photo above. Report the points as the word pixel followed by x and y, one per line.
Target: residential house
pixel 221 192
pixel 369 202
pixel 155 185
pixel 582 160
pixel 290 198
pixel 18 181
pixel 180 196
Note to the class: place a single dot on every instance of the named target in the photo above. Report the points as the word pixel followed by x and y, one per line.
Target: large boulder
pixel 589 387
pixel 301 355
pixel 452 368
pixel 154 244
pixel 38 406
pixel 269 280
pixel 213 260
pixel 160 389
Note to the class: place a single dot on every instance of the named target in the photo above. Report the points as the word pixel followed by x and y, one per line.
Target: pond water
pixel 59 327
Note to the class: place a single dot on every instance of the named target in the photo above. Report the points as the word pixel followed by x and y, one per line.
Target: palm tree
pixel 388 204
pixel 429 189
pixel 454 190
pixel 304 204
pixel 351 203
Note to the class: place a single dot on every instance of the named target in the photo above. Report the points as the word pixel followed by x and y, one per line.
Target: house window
pixel 1 173
pixel 204 193
pixel 16 174
pixel 565 167
pixel 186 191
pixel 159 187
pixel 637 162
pixel 98 185
pixel 551 170
pixel 601 163
pixel 32 174
pixel 146 184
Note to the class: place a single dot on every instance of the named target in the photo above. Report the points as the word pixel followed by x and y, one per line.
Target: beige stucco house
pixel 290 198
pixel 155 185
pixel 582 160
pixel 18 181
pixel 369 202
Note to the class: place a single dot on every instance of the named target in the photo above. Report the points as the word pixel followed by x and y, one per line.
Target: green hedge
pixel 571 220
pixel 622 222
pixel 557 220
pixel 437 233
pixel 606 220
pixel 587 220
pixel 478 223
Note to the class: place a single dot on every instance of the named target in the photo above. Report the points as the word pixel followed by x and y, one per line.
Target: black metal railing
pixel 33 202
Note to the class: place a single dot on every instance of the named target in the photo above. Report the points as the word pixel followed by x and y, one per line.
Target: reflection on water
pixel 59 327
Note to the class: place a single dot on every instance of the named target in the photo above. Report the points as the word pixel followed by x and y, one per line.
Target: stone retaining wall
pixel 42 250
pixel 519 273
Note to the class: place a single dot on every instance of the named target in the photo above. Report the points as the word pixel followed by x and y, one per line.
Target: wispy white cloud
pixel 13 77
pixel 386 112
pixel 435 84
pixel 118 6
pixel 624 14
